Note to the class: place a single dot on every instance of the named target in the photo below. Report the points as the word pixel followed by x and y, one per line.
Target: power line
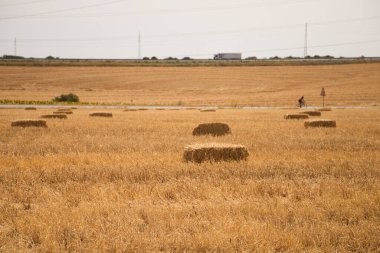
pixel 63 10
pixel 213 8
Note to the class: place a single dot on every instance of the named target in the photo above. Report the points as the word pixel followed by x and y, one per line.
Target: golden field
pixel 352 84
pixel 119 184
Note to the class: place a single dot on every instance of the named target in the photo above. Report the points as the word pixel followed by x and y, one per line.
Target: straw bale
pixel 214 152
pixel 29 123
pixel 214 129
pixel 207 110
pixel 312 113
pixel 64 112
pixel 101 114
pixel 296 116
pixel 30 108
pixel 324 109
pixel 54 116
pixel 320 123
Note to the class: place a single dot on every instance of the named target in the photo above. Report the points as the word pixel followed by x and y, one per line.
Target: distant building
pixel 228 56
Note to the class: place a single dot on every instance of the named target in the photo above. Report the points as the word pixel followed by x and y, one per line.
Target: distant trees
pixel 71 97
pixel 51 58
pixel 13 57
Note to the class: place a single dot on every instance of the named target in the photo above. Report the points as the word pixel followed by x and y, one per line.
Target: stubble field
pixel 120 184
pixel 352 84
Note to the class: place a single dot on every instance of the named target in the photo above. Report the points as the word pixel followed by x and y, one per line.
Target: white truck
pixel 227 56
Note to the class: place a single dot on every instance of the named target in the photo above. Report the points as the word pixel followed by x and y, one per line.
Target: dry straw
pixel 324 109
pixel 214 152
pixel 54 116
pixel 207 110
pixel 214 129
pixel 312 113
pixel 29 123
pixel 320 123
pixel 296 116
pixel 101 114
pixel 30 108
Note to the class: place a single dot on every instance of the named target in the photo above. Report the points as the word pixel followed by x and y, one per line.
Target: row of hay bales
pixel 314 122
pixel 61 113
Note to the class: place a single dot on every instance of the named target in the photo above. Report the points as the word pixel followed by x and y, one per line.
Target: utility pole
pixel 15 44
pixel 139 41
pixel 305 43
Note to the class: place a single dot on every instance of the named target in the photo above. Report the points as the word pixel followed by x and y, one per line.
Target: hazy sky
pixel 196 28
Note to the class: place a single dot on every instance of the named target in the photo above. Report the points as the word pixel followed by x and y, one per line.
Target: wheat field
pixel 352 84
pixel 120 185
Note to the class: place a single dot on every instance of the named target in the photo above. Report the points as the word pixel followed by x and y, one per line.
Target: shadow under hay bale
pixel 29 123
pixel 130 110
pixel 214 152
pixel 320 123
pixel 30 108
pixel 207 110
pixel 142 109
pixel 296 116
pixel 66 112
pixel 324 109
pixel 312 113
pixel 214 129
pixel 54 116
pixel 101 114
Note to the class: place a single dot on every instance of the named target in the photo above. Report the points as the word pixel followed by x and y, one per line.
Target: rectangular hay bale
pixel 320 123
pixel 214 129
pixel 312 113
pixel 29 123
pixel 30 108
pixel 296 116
pixel 101 114
pixel 63 112
pixel 54 116
pixel 215 152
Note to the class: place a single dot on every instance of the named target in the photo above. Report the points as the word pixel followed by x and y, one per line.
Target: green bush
pixel 67 98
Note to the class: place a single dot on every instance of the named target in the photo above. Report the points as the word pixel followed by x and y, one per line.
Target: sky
pixel 197 28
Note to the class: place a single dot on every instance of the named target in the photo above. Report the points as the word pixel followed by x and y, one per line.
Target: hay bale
pixel 214 129
pixel 101 114
pixel 324 109
pixel 320 123
pixel 29 123
pixel 296 116
pixel 214 152
pixel 63 112
pixel 54 116
pixel 312 113
pixel 30 108
pixel 207 110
